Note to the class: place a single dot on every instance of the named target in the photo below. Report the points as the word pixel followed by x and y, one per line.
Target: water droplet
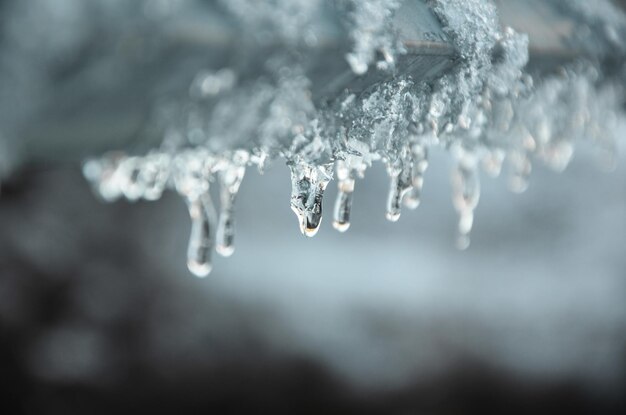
pixel 308 183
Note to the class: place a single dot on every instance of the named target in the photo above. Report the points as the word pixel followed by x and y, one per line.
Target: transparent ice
pixel 487 111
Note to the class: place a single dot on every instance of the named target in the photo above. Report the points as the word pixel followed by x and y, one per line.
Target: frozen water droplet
pixel 308 183
pixel 230 179
pixel 343 203
pixel 420 164
pixel 465 197
pixel 200 244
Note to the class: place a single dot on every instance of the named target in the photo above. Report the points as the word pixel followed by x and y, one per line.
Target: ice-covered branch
pixel 442 73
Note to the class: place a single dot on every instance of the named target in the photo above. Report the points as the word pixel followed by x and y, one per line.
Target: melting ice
pixel 487 111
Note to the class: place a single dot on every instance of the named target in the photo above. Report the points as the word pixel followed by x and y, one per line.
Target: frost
pixel 372 33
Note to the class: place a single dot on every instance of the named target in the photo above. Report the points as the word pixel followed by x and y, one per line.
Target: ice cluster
pixel 486 110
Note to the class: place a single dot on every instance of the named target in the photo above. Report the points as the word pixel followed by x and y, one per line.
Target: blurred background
pixel 99 314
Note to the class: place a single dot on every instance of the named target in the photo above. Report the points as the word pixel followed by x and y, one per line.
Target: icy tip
pixel 198 269
pixel 411 202
pixel 225 250
pixel 341 226
pixel 309 223
pixel 393 216
pixel 310 231
pixel 308 185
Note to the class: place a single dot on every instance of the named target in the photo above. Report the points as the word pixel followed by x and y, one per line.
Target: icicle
pixel 230 179
pixel 343 204
pixel 420 164
pixel 465 196
pixel 192 173
pixel 200 244
pixel 308 183
pixel 401 183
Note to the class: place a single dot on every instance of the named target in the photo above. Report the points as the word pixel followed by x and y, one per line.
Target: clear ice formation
pixel 486 111
pixel 372 33
pixel 308 183
pixel 230 177
pixel 200 242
